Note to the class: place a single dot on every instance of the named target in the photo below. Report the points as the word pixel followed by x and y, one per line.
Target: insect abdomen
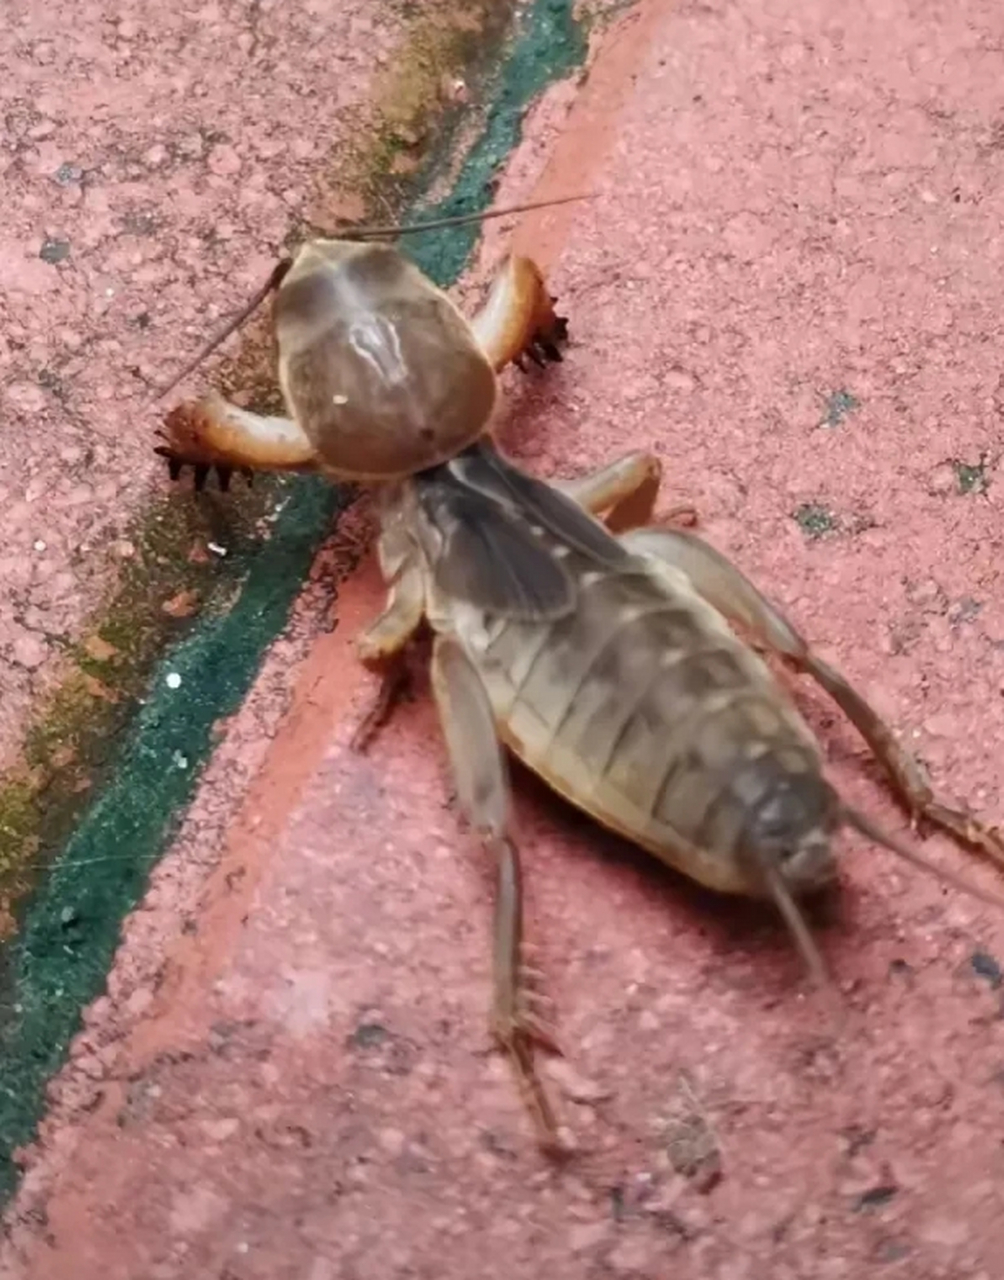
pixel 646 712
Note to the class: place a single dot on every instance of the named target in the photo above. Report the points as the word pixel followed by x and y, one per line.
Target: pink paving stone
pixel 796 201
pixel 160 150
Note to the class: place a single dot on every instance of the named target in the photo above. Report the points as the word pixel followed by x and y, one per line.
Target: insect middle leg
pixel 482 782
pixel 382 646
pixel 626 490
pixel 382 649
pixel 734 596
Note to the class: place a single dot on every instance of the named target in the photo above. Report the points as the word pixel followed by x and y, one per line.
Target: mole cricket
pixel 605 652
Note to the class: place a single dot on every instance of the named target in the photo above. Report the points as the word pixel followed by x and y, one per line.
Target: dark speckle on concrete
pixel 892 1251
pixel 368 1035
pixel 972 478
pixel 964 610
pixel 67 174
pixel 874 1198
pixel 53 251
pixel 838 405
pixel 814 520
pixel 985 966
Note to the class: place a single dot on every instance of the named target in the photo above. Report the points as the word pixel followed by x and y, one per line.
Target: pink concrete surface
pixel 155 155
pixel 288 1077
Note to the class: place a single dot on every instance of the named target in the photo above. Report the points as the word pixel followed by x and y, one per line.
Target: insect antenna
pixel 797 927
pixel 275 279
pixel 347 231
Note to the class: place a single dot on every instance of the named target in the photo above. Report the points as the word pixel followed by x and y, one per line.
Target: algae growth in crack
pixel 138 789
pixel 71 743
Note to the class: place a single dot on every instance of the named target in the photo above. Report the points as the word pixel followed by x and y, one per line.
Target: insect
pixel 602 651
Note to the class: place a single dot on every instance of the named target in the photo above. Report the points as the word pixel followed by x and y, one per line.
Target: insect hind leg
pixel 482 783
pixel 733 595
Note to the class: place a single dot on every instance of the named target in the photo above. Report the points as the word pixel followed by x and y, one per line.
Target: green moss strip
pixel 551 46
pixel 70 930
pixel 71 747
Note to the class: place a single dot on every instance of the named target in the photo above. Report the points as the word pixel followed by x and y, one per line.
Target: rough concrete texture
pixel 789 289
pixel 151 164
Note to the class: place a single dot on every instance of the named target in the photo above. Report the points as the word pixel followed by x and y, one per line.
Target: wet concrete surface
pixel 788 289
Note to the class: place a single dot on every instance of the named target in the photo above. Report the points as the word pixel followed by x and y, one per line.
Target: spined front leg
pixel 518 319
pixel 213 434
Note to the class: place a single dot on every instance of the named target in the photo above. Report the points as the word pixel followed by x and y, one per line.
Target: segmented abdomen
pixel 644 710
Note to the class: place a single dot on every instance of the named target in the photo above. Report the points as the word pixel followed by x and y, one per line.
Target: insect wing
pixel 483 469
pixel 480 552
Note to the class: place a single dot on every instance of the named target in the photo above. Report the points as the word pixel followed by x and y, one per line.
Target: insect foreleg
pixel 518 319
pixel 213 433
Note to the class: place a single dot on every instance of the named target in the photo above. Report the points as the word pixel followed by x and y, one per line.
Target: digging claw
pixel 545 343
pixel 184 445
pixel 201 471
